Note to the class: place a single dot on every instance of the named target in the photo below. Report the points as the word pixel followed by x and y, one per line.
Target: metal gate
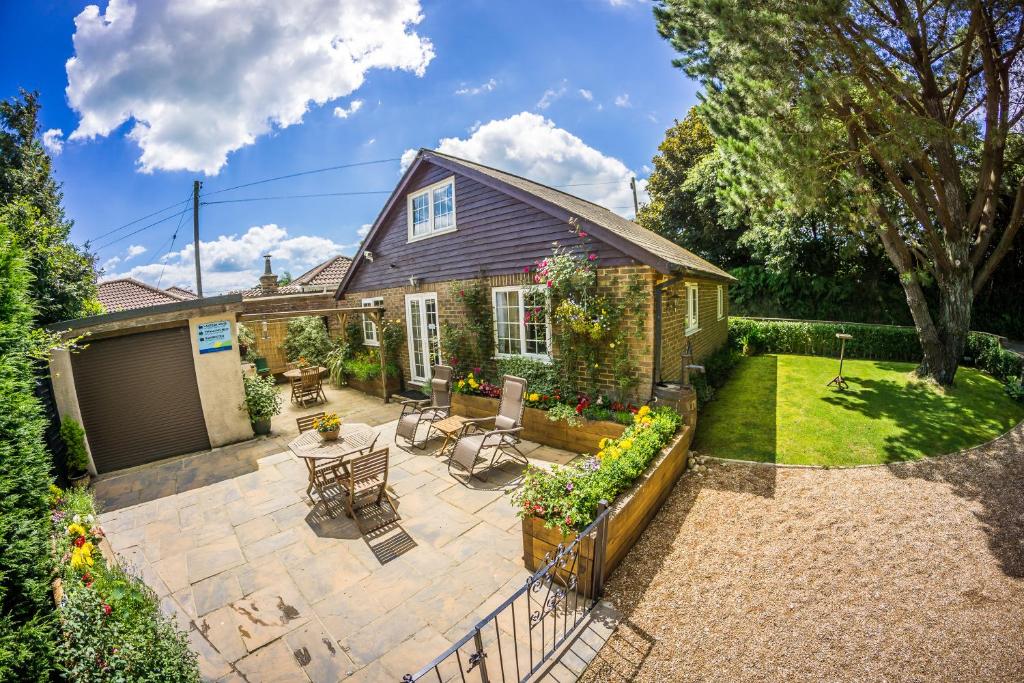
pixel 524 632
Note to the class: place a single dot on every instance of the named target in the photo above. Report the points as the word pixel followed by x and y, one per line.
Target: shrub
pixel 541 378
pixel 74 437
pixel 307 339
pixel 1015 388
pixel 986 353
pixel 367 367
pixel 111 625
pixel 565 412
pixel 261 398
pixel 247 338
pixel 717 369
pixel 567 497
pixel 879 342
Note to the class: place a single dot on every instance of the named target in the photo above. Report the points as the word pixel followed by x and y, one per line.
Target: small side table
pixel 838 380
pixel 451 427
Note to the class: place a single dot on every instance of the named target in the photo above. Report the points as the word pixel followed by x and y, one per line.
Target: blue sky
pixel 164 93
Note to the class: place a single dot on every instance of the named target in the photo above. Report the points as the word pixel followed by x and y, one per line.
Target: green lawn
pixel 776 408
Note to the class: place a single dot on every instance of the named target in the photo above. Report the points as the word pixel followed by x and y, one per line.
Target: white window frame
pixel 410 338
pixel 523 291
pixel 721 302
pixel 429 191
pixel 368 324
pixel 692 308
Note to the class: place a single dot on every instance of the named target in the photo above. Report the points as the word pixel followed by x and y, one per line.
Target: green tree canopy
pixel 898 114
pixel 63 283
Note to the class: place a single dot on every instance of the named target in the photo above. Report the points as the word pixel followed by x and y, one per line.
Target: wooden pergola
pixel 375 313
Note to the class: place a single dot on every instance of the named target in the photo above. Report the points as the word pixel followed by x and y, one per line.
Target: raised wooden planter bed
pixel 537 427
pixel 630 514
pixel 372 386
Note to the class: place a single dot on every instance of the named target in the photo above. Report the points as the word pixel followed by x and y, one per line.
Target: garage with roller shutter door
pixel 139 398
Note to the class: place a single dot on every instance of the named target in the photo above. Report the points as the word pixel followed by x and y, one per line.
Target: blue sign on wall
pixel 214 336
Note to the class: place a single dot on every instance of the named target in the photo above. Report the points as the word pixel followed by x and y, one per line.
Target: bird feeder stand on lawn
pixel 838 379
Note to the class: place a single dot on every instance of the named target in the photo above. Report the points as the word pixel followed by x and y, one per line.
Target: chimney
pixel 268 281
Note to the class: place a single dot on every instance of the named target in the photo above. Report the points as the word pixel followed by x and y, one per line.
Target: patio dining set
pixel 350 468
pixel 307 383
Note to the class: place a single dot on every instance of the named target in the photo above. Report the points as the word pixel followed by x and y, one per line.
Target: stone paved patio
pixel 270 588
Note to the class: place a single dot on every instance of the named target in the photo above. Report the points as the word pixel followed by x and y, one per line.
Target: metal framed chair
pixel 367 479
pixel 430 410
pixel 503 438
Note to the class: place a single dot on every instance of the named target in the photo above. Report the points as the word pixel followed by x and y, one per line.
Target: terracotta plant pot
pixel 331 435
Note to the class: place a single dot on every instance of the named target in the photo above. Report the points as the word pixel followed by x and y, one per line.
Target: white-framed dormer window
pixel 431 210
pixel 369 327
pixel 721 302
pixel 692 308
pixel 522 325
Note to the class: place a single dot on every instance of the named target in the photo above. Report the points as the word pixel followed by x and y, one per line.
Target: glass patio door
pixel 424 339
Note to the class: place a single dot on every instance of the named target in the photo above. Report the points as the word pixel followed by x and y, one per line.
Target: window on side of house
pixel 432 210
pixel 721 302
pixel 370 327
pixel 692 308
pixel 522 326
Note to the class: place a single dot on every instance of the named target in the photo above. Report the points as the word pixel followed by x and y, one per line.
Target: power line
pixel 181 218
pixel 304 173
pixel 137 220
pixel 145 227
pixel 295 196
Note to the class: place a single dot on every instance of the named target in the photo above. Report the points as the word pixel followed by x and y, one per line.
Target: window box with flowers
pixel 634 472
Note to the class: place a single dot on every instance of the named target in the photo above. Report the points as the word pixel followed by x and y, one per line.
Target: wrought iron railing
pixel 515 640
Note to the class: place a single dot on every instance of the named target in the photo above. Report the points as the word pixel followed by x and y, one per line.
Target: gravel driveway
pixel 910 572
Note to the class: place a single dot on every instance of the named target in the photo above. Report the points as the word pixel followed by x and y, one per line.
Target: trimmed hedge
pixel 872 342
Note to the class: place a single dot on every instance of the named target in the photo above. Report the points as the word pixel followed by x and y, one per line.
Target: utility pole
pixel 195 235
pixel 636 204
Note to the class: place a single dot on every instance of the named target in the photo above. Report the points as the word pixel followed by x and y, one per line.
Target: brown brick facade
pixel 712 331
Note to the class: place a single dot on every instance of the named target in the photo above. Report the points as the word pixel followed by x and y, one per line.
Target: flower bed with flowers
pixel 566 497
pixel 111 627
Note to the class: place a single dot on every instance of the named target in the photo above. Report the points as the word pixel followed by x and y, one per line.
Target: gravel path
pixel 909 572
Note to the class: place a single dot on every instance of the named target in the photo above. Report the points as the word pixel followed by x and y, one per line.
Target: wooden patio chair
pixel 503 438
pixel 312 388
pixel 324 474
pixel 296 386
pixel 367 479
pixel 429 410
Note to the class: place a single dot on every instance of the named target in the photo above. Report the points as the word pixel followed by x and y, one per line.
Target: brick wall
pixel 711 334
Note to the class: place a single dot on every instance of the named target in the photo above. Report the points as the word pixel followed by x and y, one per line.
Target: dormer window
pixel 431 210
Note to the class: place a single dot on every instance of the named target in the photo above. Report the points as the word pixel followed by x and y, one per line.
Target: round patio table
pixel 296 373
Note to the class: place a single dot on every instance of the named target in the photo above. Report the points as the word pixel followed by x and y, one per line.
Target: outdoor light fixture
pixel 266 331
pixel 413 280
pixel 368 255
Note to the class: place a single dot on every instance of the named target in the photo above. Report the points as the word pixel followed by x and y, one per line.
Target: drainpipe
pixel 658 292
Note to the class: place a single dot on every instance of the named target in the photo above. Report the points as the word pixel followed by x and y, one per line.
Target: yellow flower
pixel 82 557
pixel 473 383
pixel 625 444
pixel 534 397
pixel 76 530
pixel 643 410
pixel 603 443
pixel 462 383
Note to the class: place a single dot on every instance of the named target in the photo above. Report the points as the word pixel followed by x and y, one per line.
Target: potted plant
pixel 246 341
pixel 261 401
pixel 328 426
pixel 78 457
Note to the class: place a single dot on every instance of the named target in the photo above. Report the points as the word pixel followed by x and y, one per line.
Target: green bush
pixel 811 338
pixel 26 605
pixel 367 367
pixel 984 352
pixel 717 369
pixel 74 438
pixel 307 339
pixel 111 625
pixel 1015 388
pixel 541 377
pixel 261 398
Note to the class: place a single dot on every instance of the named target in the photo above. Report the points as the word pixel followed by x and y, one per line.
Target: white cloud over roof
pixel 199 79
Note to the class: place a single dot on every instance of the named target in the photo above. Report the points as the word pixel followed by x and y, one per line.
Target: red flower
pixel 568 520
pixel 582 234
pixel 80 541
pixel 526 269
pixel 462 292
pixel 592 256
pixel 106 609
pixel 549 283
pixel 87 577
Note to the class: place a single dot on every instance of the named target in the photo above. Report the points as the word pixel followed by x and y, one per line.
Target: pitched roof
pixel 127 293
pixel 182 292
pixel 633 239
pixel 325 276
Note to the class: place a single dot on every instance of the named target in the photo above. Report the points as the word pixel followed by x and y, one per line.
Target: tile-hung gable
pixel 451 219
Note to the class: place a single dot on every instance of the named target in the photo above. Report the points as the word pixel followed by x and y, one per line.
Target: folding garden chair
pixel 503 438
pixel 429 410
pixel 367 480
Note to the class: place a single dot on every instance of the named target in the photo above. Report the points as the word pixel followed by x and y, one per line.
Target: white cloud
pixel 364 229
pixel 586 94
pixel 345 112
pixel 235 261
pixel 623 101
pixel 531 145
pixel 134 250
pixel 370 141
pixel 550 95
pixel 53 141
pixel 110 263
pixel 489 86
pixel 199 79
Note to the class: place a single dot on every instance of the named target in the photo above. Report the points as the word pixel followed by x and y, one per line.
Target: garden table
pixel 296 373
pixel 451 427
pixel 325 460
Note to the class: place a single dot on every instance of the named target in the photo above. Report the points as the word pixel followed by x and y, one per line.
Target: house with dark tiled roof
pixel 452 223
pixel 182 292
pixel 127 293
pixel 321 278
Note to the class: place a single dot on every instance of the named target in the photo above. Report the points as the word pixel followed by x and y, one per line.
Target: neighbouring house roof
pixel 182 292
pixel 633 239
pixel 128 293
pixel 324 277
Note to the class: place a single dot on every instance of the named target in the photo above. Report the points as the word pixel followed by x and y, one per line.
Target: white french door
pixel 424 338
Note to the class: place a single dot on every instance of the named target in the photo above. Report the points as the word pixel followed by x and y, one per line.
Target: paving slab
pixel 269 613
pixel 213 558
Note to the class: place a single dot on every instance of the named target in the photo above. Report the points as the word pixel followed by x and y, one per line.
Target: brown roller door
pixel 139 398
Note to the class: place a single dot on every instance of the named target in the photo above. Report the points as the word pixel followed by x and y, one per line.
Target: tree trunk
pixel 944 349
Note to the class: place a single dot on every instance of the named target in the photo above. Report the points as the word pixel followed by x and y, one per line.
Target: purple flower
pixel 569 486
pixel 592 464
